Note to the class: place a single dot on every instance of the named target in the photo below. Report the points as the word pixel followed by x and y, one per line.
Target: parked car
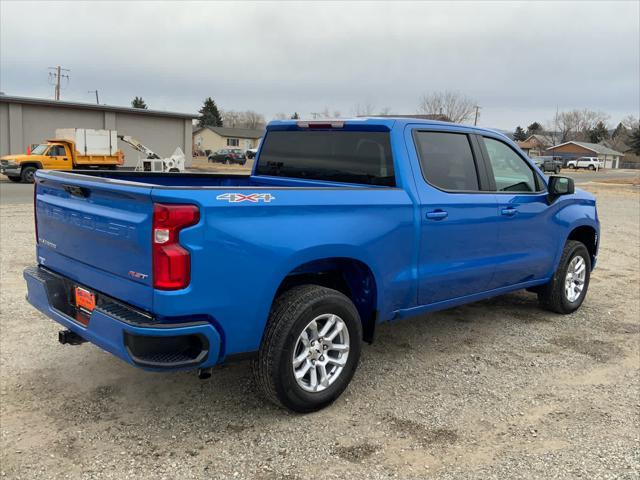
pixel 342 226
pixel 591 163
pixel 251 153
pixel 228 156
pixel 548 164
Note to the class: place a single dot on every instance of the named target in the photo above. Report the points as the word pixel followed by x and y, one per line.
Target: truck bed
pixel 202 180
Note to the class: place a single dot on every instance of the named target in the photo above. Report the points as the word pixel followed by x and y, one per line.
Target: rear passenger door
pixel 458 215
pixel 527 249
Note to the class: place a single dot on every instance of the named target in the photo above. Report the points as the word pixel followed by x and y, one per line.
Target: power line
pixel 57 76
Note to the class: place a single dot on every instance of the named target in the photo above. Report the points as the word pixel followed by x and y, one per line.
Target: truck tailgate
pixel 98 231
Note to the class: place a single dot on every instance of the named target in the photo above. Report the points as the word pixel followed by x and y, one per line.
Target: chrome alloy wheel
pixel 574 281
pixel 320 353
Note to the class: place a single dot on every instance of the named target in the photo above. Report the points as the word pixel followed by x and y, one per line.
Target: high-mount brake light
pixel 321 124
pixel 171 262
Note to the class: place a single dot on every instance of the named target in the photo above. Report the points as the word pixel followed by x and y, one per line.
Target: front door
pixel 459 231
pixel 527 250
pixel 59 158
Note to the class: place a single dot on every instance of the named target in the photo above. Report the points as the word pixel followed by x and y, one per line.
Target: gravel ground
pixel 497 389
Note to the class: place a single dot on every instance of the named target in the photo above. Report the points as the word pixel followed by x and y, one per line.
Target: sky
pixel 518 61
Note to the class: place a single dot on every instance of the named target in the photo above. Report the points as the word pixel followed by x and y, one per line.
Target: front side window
pixel 447 161
pixel 510 171
pixel 56 151
pixel 233 142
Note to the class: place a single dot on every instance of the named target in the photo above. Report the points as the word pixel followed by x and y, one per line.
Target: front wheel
pixel 227 161
pixel 28 173
pixel 556 170
pixel 310 348
pixel 568 287
pixel 573 166
pixel 592 167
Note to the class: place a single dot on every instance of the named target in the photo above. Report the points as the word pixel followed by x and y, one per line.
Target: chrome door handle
pixel 437 215
pixel 509 211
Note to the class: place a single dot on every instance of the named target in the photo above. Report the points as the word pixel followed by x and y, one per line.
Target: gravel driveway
pixel 497 389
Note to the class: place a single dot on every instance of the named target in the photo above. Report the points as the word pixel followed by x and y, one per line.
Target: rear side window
pixel 447 161
pixel 510 171
pixel 337 156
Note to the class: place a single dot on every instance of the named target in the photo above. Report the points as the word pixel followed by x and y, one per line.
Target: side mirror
pixel 560 186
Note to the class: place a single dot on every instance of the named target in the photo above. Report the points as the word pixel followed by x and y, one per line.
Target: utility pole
pixel 475 120
pixel 96 92
pixel 57 75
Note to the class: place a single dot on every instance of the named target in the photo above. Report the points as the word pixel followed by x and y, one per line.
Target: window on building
pixel 233 142
pixel 447 161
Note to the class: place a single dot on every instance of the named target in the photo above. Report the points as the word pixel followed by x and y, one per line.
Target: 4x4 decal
pixel 252 197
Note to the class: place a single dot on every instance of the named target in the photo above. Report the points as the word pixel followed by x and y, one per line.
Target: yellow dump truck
pixel 72 148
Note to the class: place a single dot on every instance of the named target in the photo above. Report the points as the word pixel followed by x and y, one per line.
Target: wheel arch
pixel 588 236
pixel 348 275
pixel 30 164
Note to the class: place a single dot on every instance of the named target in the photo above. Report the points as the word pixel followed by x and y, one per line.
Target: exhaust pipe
pixel 67 337
pixel 204 373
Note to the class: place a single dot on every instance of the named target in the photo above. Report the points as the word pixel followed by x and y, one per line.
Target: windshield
pixel 40 149
pixel 338 156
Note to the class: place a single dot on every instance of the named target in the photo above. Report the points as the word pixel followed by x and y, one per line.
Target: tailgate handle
pixel 76 191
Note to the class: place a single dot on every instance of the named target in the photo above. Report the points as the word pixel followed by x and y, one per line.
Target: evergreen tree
pixel 138 102
pixel 620 130
pixel 295 116
pixel 209 114
pixel 598 133
pixel 534 128
pixel 519 135
pixel 634 140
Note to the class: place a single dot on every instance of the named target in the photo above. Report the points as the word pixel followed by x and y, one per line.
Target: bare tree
pixel 363 109
pixel 252 120
pixel 246 119
pixel 577 124
pixel 454 105
pixel 385 111
pixel 280 116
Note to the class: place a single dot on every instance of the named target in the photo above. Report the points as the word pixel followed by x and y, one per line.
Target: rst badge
pixel 252 197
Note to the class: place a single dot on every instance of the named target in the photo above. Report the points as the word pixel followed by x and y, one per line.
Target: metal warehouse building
pixel 26 121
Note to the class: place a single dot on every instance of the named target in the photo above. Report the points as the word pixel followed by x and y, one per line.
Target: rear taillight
pixel 171 262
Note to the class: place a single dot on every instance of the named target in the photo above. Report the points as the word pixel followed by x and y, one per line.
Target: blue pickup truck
pixel 341 226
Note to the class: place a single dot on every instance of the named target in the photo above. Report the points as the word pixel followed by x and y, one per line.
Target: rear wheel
pixel 310 349
pixel 573 166
pixel 556 170
pixel 227 161
pixel 592 167
pixel 27 174
pixel 568 287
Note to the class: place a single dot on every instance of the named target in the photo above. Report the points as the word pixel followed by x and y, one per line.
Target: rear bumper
pixel 126 333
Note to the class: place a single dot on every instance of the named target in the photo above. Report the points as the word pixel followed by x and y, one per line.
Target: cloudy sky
pixel 519 61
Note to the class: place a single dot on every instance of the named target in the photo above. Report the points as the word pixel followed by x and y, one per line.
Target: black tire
pixel 557 170
pixel 174 170
pixel 27 174
pixel 573 166
pixel 15 179
pixel 552 296
pixel 592 167
pixel 227 161
pixel 290 314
